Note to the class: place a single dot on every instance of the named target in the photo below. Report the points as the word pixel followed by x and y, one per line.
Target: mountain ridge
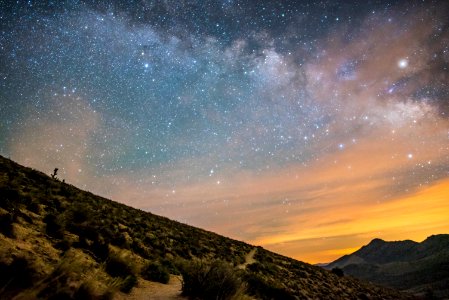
pixel 405 265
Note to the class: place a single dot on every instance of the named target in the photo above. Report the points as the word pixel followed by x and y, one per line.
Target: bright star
pixel 403 63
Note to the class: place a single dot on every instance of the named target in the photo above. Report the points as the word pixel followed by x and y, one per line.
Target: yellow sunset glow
pixel 415 217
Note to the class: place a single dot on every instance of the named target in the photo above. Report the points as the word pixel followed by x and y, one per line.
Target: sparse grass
pixel 100 249
pixel 16 276
pixel 85 291
pixel 66 282
pixel 6 225
pixel 54 228
pixel 154 271
pixel 9 198
pixel 118 266
pixel 210 280
pixel 129 282
pixel 262 289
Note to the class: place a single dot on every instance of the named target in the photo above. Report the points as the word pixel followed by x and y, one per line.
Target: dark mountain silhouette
pixel 420 268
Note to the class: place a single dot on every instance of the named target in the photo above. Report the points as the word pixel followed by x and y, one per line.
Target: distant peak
pixel 438 236
pixel 377 241
pixel 373 245
pixel 441 239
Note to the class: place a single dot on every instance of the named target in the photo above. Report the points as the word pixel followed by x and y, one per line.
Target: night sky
pixel 306 127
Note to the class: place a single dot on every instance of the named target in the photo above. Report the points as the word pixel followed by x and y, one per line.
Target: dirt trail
pixel 249 259
pixel 155 291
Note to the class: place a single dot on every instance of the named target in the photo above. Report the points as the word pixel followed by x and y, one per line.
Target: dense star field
pixel 306 127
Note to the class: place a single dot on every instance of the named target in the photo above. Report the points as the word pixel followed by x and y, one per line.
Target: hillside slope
pixel 406 265
pixel 59 242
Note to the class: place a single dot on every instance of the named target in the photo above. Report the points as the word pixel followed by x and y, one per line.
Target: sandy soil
pixel 249 259
pixel 155 291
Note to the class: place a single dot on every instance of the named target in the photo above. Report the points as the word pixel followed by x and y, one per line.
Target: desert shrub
pixel 238 260
pixel 6 225
pixel 128 283
pixel 270 268
pixel 169 266
pixel 266 268
pixel 26 199
pixel 57 205
pixel 22 270
pixel 140 249
pixel 82 243
pixel 85 291
pixel 54 205
pixel 16 276
pixel 61 285
pixel 117 266
pixel 269 259
pixel 63 245
pixel 9 198
pixel 106 232
pixel 65 190
pixel 255 267
pixel 56 284
pixel 216 280
pixel 183 251
pixel 79 214
pixel 337 271
pixel 84 231
pixel 156 272
pixel 195 250
pixel 100 249
pixel 259 287
pixel 53 226
pixel 119 240
pixel 65 282
pixel 23 216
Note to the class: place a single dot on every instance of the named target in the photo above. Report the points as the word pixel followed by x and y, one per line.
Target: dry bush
pixel 154 271
pixel 210 280
pixel 6 225
pixel 118 266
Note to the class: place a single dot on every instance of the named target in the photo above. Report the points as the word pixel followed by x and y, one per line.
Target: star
pixel 403 63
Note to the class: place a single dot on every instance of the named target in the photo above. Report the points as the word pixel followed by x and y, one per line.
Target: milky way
pixel 308 128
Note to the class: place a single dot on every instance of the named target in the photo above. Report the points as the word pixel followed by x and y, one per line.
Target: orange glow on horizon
pixel 414 217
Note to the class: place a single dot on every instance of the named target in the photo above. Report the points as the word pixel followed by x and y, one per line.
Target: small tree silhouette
pixel 55 172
